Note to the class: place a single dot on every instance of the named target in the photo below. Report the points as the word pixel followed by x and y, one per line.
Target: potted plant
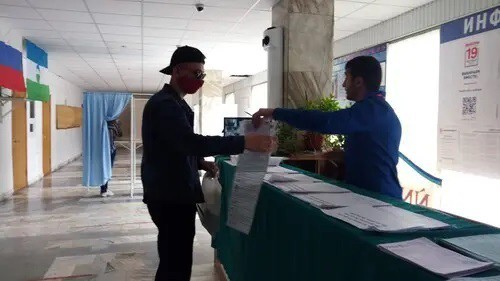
pixel 316 141
pixel 288 139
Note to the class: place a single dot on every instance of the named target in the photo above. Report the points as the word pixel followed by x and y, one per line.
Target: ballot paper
pixel 439 260
pixel 275 160
pixel 484 247
pixel 280 170
pixel 490 278
pixel 248 178
pixel 384 219
pixel 335 200
pixel 309 187
pixel 272 178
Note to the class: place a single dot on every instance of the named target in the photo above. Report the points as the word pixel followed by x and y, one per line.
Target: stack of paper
pixel 248 179
pixel 384 219
pixel 335 200
pixel 272 178
pixel 484 247
pixel 311 187
pixel 490 278
pixel 280 170
pixel 434 258
pixel 273 160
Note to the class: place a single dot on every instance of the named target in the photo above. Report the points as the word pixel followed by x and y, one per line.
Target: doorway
pixel 47 138
pixel 19 142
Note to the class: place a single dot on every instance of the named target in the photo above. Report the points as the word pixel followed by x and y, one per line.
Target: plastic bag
pixel 209 212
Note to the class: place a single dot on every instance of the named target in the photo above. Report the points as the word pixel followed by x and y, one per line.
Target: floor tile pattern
pixel 58 230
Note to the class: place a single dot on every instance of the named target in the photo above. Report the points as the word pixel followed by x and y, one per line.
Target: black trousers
pixel 104 187
pixel 176 230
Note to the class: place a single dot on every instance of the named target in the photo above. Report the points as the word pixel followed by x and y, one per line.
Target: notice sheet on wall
pixel 469 95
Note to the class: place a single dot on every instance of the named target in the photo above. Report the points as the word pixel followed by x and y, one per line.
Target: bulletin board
pixel 68 117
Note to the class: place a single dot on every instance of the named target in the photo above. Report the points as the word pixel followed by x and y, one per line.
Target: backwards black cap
pixel 183 55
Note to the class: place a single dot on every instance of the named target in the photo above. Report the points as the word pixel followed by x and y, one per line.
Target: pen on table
pixel 248 113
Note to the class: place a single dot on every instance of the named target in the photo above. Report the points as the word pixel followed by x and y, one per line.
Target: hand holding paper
pixel 260 116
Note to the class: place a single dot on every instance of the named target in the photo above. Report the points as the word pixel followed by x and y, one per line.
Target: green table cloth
pixel 291 240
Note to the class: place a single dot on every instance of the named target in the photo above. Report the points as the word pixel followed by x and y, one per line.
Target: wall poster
pixel 469 95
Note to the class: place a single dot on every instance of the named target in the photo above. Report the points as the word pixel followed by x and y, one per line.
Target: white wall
pixel 243 92
pixel 6 172
pixel 66 144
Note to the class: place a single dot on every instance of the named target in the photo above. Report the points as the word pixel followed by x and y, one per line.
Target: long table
pixel 291 240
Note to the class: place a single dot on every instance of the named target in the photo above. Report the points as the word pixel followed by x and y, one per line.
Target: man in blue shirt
pixel 372 128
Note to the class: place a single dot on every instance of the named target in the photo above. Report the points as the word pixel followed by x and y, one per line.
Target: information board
pixel 469 94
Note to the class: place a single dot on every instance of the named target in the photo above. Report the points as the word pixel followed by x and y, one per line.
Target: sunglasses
pixel 198 74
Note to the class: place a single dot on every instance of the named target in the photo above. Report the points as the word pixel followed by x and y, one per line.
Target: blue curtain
pixel 98 108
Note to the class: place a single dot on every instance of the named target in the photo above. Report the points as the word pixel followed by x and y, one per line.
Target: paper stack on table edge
pixel 439 260
pixel 489 278
pixel 485 247
pixel 280 170
pixel 336 200
pixel 309 187
pixel 275 177
pixel 384 219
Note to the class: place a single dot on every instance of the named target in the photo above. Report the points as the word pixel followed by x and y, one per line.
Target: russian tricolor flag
pixel 11 68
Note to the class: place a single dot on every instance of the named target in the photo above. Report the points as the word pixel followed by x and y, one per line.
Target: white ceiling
pixel 119 45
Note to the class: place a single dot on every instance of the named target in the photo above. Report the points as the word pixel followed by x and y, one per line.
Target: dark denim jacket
pixel 172 150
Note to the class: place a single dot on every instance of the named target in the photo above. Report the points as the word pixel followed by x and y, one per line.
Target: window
pixel 258 98
pixel 32 109
pixel 229 99
pixel 418 56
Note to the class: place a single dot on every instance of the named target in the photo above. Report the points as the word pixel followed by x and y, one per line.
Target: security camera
pixel 266 41
pixel 200 7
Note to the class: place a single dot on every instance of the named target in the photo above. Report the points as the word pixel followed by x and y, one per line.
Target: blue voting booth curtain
pixel 98 108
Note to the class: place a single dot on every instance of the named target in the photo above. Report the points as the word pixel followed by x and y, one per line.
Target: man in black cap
pixel 173 154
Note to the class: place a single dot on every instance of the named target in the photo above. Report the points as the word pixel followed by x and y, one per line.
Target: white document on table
pixel 484 247
pixel 490 278
pixel 336 200
pixel 248 178
pixel 273 178
pixel 309 187
pixel 384 219
pixel 439 260
pixel 280 170
pixel 275 160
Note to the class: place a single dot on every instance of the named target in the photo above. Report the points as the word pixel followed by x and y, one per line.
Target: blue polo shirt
pixel 373 134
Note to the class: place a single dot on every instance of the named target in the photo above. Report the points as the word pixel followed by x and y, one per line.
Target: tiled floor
pixel 57 230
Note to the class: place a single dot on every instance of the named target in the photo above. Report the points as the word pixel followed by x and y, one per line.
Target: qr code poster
pixel 469 108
